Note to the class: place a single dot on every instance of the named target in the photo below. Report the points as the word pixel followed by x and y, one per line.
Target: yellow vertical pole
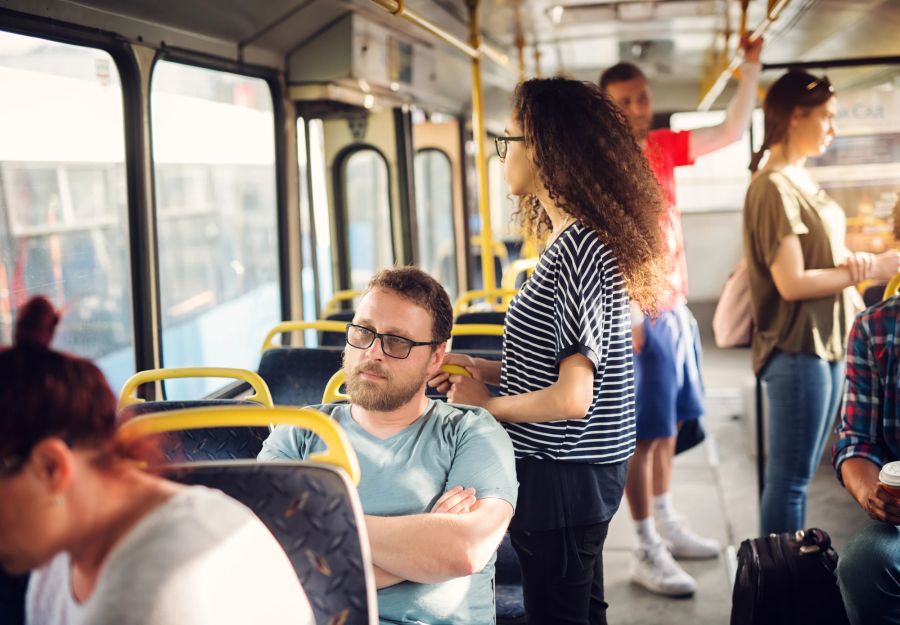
pixel 478 130
pixel 537 60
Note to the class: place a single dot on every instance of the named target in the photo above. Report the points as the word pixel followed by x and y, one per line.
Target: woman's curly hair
pixel 594 169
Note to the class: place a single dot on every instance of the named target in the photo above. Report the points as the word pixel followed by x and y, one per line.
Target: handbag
pixel 733 319
pixel 787 579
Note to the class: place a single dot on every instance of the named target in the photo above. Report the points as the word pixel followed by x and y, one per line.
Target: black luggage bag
pixel 787 579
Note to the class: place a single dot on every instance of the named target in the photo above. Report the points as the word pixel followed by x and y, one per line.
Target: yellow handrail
pixel 891 289
pixel 512 272
pixel 339 452
pixel 261 390
pixel 296 326
pixel 463 300
pixel 333 392
pixel 477 329
pixel 340 296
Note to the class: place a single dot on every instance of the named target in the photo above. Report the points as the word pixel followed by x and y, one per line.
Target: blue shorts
pixel 668 383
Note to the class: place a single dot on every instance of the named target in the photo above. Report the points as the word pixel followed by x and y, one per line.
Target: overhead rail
pixel 261 394
pixel 862 61
pixel 398 8
pixel 775 9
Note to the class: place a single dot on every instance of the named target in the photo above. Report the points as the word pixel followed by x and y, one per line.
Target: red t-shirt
pixel 666 150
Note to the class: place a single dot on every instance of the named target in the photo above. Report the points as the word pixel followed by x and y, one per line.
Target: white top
pixel 200 558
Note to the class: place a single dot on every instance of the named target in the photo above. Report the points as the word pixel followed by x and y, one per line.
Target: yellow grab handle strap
pixel 260 389
pixel 338 453
pixel 296 326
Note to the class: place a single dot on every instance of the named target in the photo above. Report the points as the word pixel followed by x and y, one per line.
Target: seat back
pixel 199 444
pixel 204 443
pixel 297 376
pixel 314 513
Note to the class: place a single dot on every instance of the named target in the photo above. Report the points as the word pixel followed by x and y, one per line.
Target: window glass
pixel 367 216
pixel 214 170
pixel 63 201
pixel 321 214
pixel 861 168
pixel 434 217
pixel 716 181
pixel 501 202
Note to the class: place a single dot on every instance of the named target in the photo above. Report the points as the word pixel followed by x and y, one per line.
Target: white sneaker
pixel 684 543
pixel 655 570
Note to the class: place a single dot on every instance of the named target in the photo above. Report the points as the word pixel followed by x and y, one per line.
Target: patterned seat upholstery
pixel 314 512
pixel 204 443
pixel 297 376
pixel 484 343
pixel 12 598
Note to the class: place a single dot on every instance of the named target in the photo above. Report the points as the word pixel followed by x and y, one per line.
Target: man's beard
pixel 376 396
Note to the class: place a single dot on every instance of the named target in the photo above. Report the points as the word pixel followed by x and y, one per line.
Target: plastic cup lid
pixel 890 474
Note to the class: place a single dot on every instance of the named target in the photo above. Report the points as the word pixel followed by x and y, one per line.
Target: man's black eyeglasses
pixel 392 345
pixel 502 144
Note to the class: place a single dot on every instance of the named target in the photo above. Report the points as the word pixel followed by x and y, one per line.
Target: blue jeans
pixel 802 391
pixel 869 575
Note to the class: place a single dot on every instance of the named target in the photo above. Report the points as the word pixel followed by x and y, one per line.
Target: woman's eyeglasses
pixel 502 144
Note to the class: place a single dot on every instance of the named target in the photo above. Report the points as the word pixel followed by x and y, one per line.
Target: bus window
pixel 367 215
pixel 63 201
pixel 500 201
pixel 434 217
pixel 214 171
pixel 861 168
pixel 320 214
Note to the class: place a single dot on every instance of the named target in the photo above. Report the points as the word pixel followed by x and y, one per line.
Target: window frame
pixel 340 219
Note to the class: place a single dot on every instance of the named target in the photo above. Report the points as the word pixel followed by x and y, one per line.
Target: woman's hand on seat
pixel 441 380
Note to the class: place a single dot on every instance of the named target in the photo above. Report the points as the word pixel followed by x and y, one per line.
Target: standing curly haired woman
pixel 566 378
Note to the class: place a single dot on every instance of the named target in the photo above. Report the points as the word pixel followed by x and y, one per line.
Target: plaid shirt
pixel 870 420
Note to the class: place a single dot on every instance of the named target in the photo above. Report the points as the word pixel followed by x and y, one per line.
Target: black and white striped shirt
pixel 574 302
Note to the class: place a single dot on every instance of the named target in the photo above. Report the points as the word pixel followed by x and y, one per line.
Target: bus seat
pixel 508 585
pixel 297 375
pixel 205 443
pixel 12 598
pixel 314 512
pixel 479 341
pixel 333 339
pixel 201 443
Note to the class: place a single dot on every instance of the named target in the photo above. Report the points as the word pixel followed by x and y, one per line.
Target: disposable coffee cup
pixel 890 478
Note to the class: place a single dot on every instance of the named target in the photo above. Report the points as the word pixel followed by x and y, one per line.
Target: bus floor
pixel 715 488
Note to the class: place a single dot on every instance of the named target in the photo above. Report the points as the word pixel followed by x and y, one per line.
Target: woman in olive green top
pixel 801 278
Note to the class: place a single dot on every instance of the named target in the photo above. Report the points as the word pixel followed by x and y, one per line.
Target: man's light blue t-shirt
pixel 449 445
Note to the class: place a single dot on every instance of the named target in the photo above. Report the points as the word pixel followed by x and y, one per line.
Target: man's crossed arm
pixel 457 538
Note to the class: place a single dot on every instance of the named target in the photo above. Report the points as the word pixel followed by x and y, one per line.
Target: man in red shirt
pixel 669 389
